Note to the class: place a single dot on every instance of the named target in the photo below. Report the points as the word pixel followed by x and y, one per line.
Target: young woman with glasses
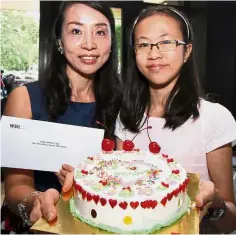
pixel 162 91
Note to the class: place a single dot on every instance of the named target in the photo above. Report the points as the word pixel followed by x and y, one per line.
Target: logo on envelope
pixel 16 126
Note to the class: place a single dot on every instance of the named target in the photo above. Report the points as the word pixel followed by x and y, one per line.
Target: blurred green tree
pixel 119 38
pixel 19 40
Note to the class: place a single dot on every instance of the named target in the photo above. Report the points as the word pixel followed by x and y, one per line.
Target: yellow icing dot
pixel 128 220
pixel 179 202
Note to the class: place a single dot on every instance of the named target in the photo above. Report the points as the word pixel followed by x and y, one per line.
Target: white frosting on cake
pixel 130 191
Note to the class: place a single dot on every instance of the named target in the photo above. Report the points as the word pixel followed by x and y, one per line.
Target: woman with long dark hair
pixel 162 91
pixel 80 86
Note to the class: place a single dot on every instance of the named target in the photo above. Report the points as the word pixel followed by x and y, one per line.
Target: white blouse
pixel 189 143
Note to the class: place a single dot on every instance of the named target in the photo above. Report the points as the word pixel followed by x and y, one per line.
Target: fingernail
pixel 49 215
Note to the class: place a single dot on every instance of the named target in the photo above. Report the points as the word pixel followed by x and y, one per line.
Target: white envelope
pixel 39 145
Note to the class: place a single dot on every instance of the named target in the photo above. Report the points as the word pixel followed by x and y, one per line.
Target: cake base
pixel 111 229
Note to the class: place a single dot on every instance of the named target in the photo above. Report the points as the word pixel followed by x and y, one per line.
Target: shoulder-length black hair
pixel 106 82
pixel 183 100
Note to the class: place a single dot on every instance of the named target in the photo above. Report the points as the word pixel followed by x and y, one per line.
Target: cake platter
pixel 67 224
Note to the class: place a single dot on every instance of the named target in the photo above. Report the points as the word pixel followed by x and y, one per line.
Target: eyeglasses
pixel 163 46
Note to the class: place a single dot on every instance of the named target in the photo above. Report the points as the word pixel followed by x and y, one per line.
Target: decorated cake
pixel 130 191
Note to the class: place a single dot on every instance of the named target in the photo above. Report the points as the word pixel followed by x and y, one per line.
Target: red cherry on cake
pixel 128 145
pixel 154 147
pixel 108 145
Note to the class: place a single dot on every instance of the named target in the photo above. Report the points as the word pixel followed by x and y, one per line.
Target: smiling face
pixel 85 39
pixel 160 68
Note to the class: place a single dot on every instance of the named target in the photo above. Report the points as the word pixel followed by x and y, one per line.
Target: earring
pixel 60 49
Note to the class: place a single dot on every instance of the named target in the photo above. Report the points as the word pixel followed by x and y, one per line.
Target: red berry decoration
pixel 154 147
pixel 154 204
pixel 134 205
pixel 96 198
pixel 170 160
pixel 144 204
pixel 84 193
pixel 89 197
pixel 163 201
pixel 175 171
pixel 165 185
pixel 84 172
pixel 165 155
pixel 169 196
pixel 112 203
pixel 123 205
pixel 107 144
pixel 128 145
pixel 103 182
pixel 103 201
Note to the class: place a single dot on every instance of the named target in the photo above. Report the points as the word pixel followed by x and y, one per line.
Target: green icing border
pixel 111 229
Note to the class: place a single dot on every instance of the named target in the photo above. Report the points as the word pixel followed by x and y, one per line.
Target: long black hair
pixel 106 82
pixel 183 100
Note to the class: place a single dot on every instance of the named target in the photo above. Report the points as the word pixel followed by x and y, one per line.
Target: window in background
pixel 118 22
pixel 19 43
